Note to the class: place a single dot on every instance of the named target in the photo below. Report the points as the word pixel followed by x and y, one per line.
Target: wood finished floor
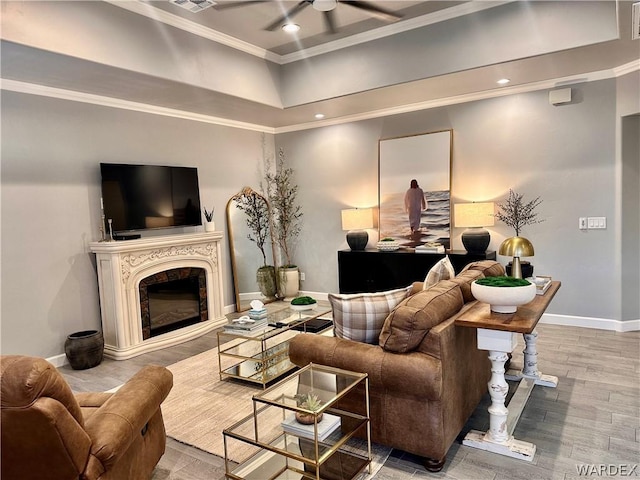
pixel 592 417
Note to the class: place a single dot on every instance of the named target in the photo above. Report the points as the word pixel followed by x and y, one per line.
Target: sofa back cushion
pixel 407 325
pixel 464 280
pixel 490 268
pixel 360 316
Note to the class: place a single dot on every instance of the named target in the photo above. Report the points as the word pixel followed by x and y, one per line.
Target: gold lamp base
pixel 516 247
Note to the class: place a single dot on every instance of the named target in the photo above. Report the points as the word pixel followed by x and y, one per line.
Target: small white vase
pixel 210 226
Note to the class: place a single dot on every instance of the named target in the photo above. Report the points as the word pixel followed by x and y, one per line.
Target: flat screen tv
pixel 143 197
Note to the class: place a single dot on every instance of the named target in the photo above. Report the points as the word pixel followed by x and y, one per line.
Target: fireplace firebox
pixel 172 299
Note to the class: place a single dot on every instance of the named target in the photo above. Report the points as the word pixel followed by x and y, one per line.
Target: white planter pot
pixel 210 226
pixel 289 282
pixel 504 299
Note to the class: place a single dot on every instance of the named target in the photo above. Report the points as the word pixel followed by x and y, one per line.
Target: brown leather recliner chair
pixel 50 433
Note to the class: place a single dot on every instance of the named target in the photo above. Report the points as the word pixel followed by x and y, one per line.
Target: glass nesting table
pixel 262 356
pixel 271 444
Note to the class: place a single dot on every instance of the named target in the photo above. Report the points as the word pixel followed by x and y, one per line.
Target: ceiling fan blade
pixel 378 12
pixel 236 4
pixel 287 16
pixel 329 21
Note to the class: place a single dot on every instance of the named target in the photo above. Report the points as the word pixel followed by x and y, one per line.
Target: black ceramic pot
pixel 84 349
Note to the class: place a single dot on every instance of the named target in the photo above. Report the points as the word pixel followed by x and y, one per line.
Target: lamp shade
pixel 469 215
pixel 357 218
pixel 516 247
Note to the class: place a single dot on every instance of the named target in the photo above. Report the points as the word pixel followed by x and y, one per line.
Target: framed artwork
pixel 414 188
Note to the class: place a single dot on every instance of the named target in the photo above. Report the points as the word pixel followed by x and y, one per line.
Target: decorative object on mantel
pixel 209 224
pixel 504 294
pixel 388 244
pixel 356 221
pixel 84 349
pixel 473 217
pixel 308 401
pixel 517 214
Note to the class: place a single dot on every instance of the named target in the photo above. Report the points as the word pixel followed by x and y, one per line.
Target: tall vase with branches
pixel 282 193
pixel 256 208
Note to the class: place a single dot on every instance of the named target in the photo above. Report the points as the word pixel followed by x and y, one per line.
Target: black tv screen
pixel 142 197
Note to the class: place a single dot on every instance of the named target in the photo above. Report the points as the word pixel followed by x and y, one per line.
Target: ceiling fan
pixel 327 8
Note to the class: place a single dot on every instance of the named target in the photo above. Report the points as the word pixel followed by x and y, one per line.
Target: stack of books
pixel 542 282
pixel 245 324
pixel 430 247
pixel 326 427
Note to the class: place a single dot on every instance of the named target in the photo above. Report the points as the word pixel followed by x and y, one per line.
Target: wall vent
pixel 635 23
pixel 194 6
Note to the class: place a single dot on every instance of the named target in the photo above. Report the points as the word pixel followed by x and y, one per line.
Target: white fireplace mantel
pixel 123 264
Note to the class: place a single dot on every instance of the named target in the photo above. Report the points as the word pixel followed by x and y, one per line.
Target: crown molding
pixel 392 29
pixel 41 90
pixel 159 15
pixel 443 102
pixel 627 68
pixel 167 18
pixel 59 93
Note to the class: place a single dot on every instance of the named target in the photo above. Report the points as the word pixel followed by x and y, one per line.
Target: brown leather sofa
pixel 426 375
pixel 50 433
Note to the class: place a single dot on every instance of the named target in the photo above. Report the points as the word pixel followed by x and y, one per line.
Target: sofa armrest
pixel 415 373
pixel 114 425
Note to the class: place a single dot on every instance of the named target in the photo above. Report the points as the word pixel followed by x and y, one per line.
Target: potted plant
pixel 282 194
pixel 256 209
pixel 209 224
pixel 388 244
pixel 308 401
pixel 503 294
pixel 517 214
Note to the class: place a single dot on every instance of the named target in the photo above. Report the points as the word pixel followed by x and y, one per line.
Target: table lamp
pixel 355 220
pixel 474 216
pixel 516 247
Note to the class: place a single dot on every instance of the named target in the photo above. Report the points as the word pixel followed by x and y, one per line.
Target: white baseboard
pixel 58 360
pixel 590 322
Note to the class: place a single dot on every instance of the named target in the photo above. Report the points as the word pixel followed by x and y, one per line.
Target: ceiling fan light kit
pixel 324 5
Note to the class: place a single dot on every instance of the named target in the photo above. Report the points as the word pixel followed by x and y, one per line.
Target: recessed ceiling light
pixel 319 116
pixel 291 27
pixel 503 81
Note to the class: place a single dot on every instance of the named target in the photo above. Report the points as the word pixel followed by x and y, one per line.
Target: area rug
pixel 200 406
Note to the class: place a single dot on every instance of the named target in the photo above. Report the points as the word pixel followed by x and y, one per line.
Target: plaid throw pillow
pixel 443 270
pixel 360 316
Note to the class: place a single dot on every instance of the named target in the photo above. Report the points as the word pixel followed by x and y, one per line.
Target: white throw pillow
pixel 360 316
pixel 443 270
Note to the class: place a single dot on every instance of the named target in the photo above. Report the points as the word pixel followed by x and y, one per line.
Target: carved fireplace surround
pixel 122 265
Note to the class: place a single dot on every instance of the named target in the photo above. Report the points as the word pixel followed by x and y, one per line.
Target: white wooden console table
pixel 497 333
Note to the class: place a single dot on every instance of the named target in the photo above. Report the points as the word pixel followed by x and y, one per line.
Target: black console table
pixel 375 271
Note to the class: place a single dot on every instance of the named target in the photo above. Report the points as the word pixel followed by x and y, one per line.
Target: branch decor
pixel 517 214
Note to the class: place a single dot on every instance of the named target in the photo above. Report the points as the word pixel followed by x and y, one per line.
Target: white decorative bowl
pixel 388 246
pixel 302 308
pixel 504 299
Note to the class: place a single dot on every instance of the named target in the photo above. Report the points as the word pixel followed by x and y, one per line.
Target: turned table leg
pixel 530 368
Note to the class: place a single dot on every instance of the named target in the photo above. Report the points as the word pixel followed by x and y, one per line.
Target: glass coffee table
pixel 272 444
pixel 262 356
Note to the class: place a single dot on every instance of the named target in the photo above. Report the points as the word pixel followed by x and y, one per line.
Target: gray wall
pixel 565 154
pixel 50 192
pixel 51 150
